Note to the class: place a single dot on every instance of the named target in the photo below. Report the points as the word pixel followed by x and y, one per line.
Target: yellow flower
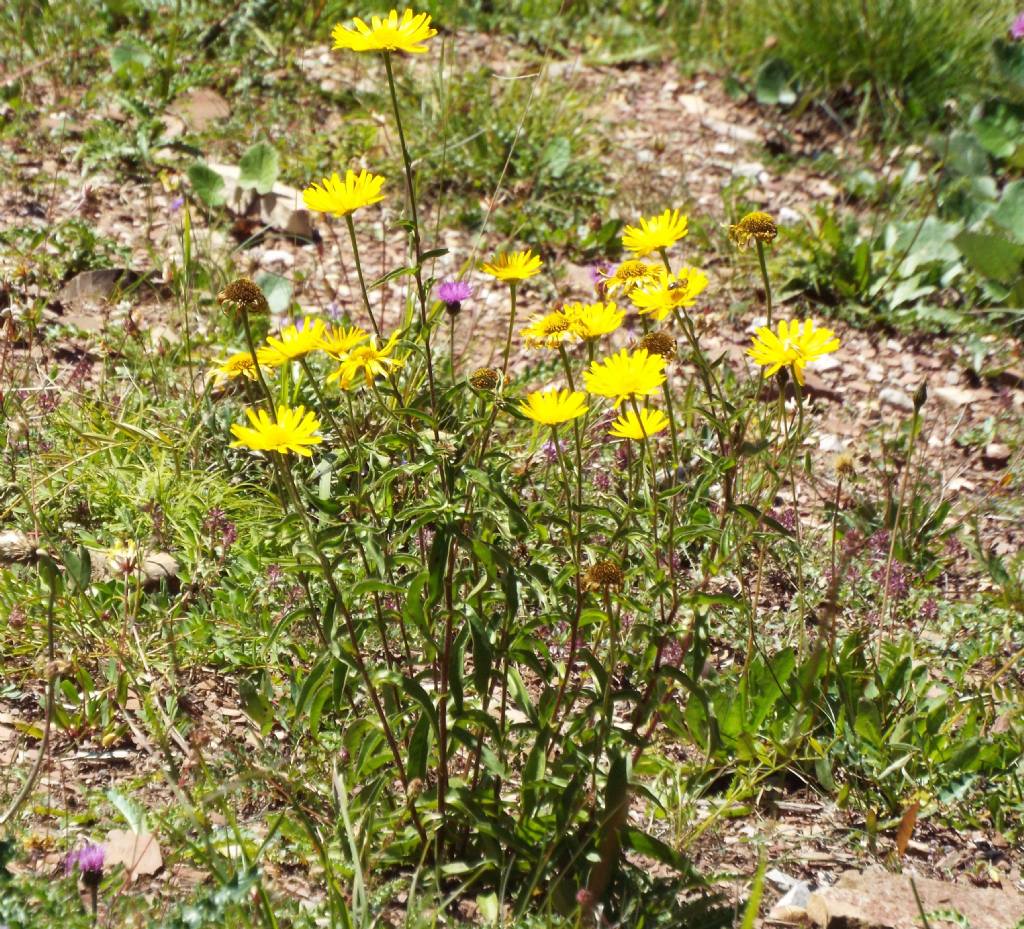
pixel 593 320
pixel 341 197
pixel 628 426
pixel 626 374
pixel 294 342
pixel 669 292
pixel 551 407
pixel 549 330
pixel 756 225
pixel 655 233
pixel 294 430
pixel 628 275
pixel 795 345
pixel 340 341
pixel 368 359
pixel 513 266
pixel 238 365
pixel 386 35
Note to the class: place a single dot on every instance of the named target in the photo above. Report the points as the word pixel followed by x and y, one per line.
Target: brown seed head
pixel 843 465
pixel 484 379
pixel 756 225
pixel 603 575
pixel 659 343
pixel 243 294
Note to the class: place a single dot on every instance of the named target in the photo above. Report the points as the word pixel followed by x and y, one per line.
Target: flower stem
pixel 421 291
pixel 359 271
pixel 511 326
pixel 256 364
pixel 764 278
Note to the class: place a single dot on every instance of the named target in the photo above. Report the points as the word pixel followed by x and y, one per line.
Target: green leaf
pixel 557 156
pixel 130 56
pixel 207 183
pixel 1009 214
pixel 277 290
pixel 773 85
pixel 256 705
pixel 259 168
pixel 1010 61
pixel 78 564
pixel 133 814
pixel 992 256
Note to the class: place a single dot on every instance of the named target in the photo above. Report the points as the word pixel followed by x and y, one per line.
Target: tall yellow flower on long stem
pixel 294 342
pixel 552 407
pixel 655 234
pixel 625 375
pixel 513 266
pixel 294 431
pixel 794 346
pixel 639 425
pixel 407 33
pixel 369 360
pixel 341 197
pixel 669 292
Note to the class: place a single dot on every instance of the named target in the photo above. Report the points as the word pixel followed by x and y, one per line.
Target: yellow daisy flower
pixel 754 226
pixel 386 35
pixel 340 341
pixel 628 275
pixel 593 320
pixel 655 233
pixel 626 374
pixel 294 430
pixel 549 330
pixel 368 359
pixel 341 197
pixel 513 266
pixel 551 407
pixel 294 342
pixel 238 365
pixel 795 345
pixel 629 426
pixel 669 292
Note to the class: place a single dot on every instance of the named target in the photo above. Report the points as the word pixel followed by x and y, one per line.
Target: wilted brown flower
pixel 659 343
pixel 603 575
pixel 244 294
pixel 756 225
pixel 484 379
pixel 843 465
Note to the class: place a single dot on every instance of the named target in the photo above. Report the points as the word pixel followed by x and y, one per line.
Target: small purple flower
pixel 550 451
pixel 1017 28
pixel 878 542
pixel 177 203
pixel 334 311
pixel 452 294
pixel 899 582
pixel 929 609
pixel 602 480
pixel 90 863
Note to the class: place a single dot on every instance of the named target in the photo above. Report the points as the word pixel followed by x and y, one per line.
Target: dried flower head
pixel 659 343
pixel 603 575
pixel 756 225
pixel 843 465
pixel 484 379
pixel 243 294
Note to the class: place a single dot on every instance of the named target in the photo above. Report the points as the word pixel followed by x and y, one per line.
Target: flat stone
pixel 954 396
pixel 876 899
pixel 101 284
pixel 201 107
pixel 896 398
pixel 996 455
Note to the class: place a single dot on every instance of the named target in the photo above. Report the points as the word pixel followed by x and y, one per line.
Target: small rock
pixel 954 396
pixel 201 107
pixel 995 456
pixel 277 256
pixel 896 398
pixel 876 899
pixel 792 907
pixel 831 443
pixel 825 363
pixel 788 217
pixel 97 285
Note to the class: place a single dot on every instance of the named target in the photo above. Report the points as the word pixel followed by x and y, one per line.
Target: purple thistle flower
pixel 452 293
pixel 90 863
pixel 1017 28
